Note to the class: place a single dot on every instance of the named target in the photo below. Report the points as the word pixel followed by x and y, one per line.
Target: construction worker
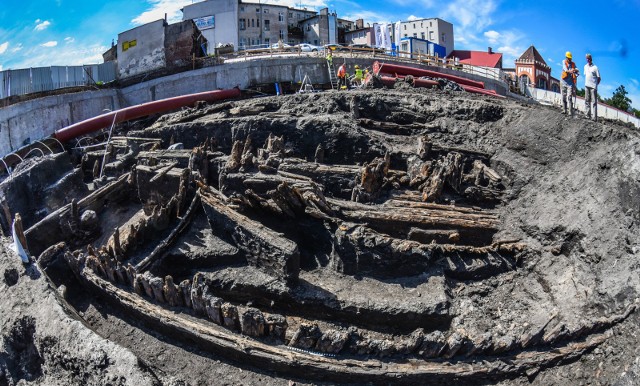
pixel 568 82
pixel 330 59
pixel 591 82
pixel 359 75
pixel 342 76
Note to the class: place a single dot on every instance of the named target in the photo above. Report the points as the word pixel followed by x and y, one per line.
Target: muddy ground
pixel 572 196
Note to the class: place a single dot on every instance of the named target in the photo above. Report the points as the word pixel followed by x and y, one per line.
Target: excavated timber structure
pixel 339 243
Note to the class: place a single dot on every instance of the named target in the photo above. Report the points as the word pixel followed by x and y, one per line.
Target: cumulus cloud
pixel 3 47
pixel 492 36
pixel 157 9
pixel 41 26
pixel 414 17
pixel 51 43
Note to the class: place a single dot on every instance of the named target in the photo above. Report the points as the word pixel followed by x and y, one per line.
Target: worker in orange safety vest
pixel 342 76
pixel 568 82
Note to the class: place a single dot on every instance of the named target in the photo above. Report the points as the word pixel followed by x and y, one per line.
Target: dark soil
pixel 571 195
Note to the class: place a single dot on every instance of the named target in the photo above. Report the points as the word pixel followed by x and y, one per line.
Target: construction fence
pixel 38 79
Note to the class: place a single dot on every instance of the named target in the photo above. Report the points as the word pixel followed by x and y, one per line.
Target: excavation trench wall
pixel 33 120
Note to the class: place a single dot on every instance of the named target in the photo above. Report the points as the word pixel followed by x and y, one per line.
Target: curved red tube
pixel 105 120
pixel 388 68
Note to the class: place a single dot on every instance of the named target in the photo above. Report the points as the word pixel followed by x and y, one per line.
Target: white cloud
pixel 157 10
pixel 69 39
pixel 3 47
pixel 51 43
pixel 414 17
pixel 492 36
pixel 41 26
pixel 17 48
pixel 309 4
pixel 0 67
pixel 370 17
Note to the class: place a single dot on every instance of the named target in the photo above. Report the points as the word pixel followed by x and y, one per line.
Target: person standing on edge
pixel 567 84
pixel 591 82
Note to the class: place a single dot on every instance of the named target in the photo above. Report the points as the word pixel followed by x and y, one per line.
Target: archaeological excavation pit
pixel 378 236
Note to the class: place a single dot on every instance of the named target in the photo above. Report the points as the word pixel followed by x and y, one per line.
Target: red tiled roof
pixel 478 58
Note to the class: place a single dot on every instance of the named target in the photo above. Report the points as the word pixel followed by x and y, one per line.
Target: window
pixel 253 22
pixel 267 25
pixel 430 24
pixel 282 35
pixel 414 25
pixel 257 23
pixel 241 9
pixel 405 47
pixel 431 35
pixel 308 27
pixel 405 35
pixel 266 10
pixel 257 10
pixel 315 42
pixel 421 25
pixel 405 27
pixel 444 37
pixel 281 16
pixel 299 16
pixel 422 36
pixel 267 41
pixel 241 24
pixel 415 35
pixel 291 15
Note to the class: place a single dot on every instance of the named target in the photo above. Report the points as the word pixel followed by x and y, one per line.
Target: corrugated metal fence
pixel 29 80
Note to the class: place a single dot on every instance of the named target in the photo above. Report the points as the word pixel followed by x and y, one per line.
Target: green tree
pixel 636 112
pixel 580 92
pixel 619 99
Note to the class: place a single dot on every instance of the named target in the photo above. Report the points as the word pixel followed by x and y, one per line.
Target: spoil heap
pixel 370 236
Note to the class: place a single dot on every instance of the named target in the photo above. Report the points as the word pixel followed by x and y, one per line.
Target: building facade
pixel 259 25
pixel 217 20
pixel 414 47
pixel 435 30
pixel 531 69
pixel 156 46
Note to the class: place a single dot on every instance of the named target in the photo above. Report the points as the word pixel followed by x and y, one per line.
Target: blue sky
pixel 36 33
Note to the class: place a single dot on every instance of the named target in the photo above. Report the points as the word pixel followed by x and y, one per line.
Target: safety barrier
pixel 604 111
pixel 38 79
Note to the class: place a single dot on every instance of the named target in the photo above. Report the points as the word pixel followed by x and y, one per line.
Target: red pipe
pixel 388 68
pixel 105 120
pixel 481 91
pixel 389 81
pixel 425 83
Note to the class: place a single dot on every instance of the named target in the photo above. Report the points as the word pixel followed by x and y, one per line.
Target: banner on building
pixel 204 22
pixel 383 38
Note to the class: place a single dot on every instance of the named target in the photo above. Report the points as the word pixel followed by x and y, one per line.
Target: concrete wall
pixel 39 118
pixel 225 13
pixel 148 54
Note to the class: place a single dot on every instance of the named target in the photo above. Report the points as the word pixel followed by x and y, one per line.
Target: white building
pixel 434 30
pixel 217 20
pixel 258 24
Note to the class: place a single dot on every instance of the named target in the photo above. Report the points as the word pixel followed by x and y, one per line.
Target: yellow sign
pixel 129 44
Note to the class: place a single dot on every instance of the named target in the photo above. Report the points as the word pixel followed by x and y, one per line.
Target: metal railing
pixel 604 111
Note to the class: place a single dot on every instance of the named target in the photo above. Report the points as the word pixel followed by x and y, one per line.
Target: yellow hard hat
pixel 357 66
pixel 568 55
